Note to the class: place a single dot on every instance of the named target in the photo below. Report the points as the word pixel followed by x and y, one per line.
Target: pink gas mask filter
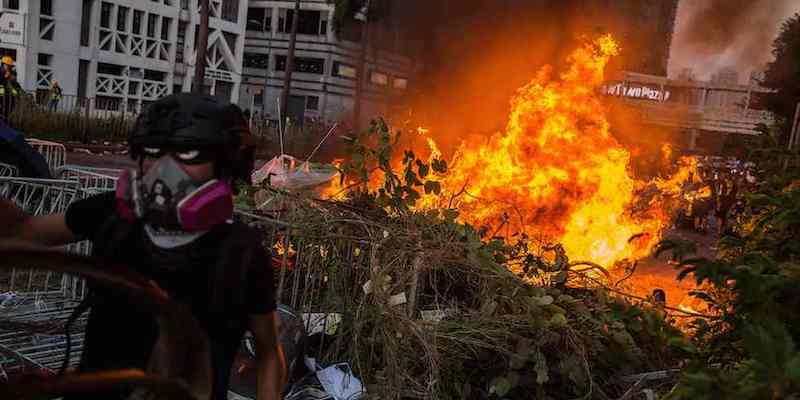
pixel 167 198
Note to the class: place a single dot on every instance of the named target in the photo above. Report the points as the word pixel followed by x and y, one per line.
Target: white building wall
pixel 334 95
pixel 136 55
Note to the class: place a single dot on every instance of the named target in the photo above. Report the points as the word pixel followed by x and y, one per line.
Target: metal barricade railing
pixel 92 180
pixel 54 153
pixel 30 297
pixel 8 170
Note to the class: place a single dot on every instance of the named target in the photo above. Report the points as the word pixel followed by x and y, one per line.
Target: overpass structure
pixel 696 108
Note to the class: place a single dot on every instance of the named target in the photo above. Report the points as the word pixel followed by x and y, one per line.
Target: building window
pixel 166 25
pixel 312 103
pixel 152 75
pixel 136 29
pixel 310 22
pixel 344 71
pixel 46 7
pixel 230 10
pixel 255 60
pixel 379 78
pixel 122 18
pixel 302 64
pixel 86 21
pixel 12 4
pixel 47 27
pixel 259 19
pixel 110 69
pixel 400 83
pixel 105 15
pixel 151 25
pixel 44 59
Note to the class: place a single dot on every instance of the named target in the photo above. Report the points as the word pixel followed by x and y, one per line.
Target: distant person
pixel 55 95
pixel 9 88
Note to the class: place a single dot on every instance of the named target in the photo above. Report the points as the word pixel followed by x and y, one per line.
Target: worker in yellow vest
pixel 9 87
pixel 55 95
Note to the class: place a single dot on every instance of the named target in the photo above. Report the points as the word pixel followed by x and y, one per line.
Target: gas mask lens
pixel 185 156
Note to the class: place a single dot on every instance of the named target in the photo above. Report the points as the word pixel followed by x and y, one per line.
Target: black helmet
pixel 184 120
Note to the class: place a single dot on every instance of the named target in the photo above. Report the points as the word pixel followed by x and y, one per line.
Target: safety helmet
pixel 7 60
pixel 185 120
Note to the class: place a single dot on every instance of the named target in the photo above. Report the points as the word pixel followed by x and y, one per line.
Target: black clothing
pixel 118 335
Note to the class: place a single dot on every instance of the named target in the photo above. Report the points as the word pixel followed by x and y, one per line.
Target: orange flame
pixel 556 170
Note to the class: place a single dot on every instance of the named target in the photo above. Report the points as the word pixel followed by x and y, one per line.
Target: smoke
pixel 715 34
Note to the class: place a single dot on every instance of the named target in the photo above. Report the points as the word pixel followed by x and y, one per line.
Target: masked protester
pixel 170 220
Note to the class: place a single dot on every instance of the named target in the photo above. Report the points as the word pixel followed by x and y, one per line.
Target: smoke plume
pixel 715 34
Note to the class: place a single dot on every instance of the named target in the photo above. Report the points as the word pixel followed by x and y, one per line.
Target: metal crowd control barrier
pixel 54 153
pixel 91 180
pixel 301 265
pixel 8 170
pixel 28 297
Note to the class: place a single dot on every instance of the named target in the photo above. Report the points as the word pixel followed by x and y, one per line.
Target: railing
pixel 70 118
pixel 728 119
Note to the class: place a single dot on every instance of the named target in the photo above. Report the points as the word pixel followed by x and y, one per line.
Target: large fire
pixel 556 171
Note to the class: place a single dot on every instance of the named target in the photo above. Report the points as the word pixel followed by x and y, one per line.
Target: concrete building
pixel 326 63
pixel 122 53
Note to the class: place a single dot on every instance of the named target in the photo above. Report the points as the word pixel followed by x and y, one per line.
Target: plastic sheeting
pixel 289 173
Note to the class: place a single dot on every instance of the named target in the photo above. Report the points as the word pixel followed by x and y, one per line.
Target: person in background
pixel 171 220
pixel 9 87
pixel 55 95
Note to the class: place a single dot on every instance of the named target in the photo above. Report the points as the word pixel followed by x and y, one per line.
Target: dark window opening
pixel 166 25
pixel 110 69
pixel 255 60
pixel 137 22
pixel 44 59
pixel 309 22
pixel 302 64
pixel 12 4
pixel 105 15
pixel 48 34
pixel 230 39
pixel 258 19
pixel 312 103
pixel 151 75
pixel 83 71
pixel 151 25
pixel 86 20
pixel 122 18
pixel 46 7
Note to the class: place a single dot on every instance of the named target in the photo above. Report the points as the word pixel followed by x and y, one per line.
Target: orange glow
pixel 556 171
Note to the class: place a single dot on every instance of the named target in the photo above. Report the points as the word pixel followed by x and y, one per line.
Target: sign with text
pixel 12 28
pixel 635 90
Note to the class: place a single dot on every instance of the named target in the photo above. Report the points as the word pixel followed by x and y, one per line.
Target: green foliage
pixel 372 151
pixel 754 288
pixel 783 73
pixel 521 322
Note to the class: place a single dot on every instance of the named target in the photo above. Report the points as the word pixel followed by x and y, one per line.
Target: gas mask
pixel 167 198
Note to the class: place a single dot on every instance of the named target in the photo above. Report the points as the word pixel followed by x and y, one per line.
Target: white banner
pixel 12 28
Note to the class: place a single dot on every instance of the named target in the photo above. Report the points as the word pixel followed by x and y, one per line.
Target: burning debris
pixel 556 171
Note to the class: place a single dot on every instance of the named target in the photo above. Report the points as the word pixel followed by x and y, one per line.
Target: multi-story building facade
pixel 326 66
pixel 122 53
